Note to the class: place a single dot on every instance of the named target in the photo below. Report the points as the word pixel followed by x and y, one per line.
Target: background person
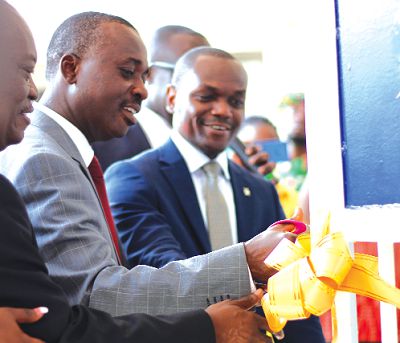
pixel 255 129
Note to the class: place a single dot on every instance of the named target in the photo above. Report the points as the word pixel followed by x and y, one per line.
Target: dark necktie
pixel 98 179
pixel 219 228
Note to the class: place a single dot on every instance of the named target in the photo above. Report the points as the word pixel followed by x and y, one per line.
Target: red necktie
pixel 98 179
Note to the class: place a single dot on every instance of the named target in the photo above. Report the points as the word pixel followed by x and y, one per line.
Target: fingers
pixel 252 149
pixel 260 337
pixel 261 160
pixel 26 315
pixel 266 168
pixel 260 334
pixel 291 236
pixel 261 322
pixel 298 214
pixel 249 301
pixel 10 317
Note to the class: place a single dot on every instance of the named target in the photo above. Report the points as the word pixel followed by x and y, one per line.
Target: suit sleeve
pixel 72 236
pixel 144 231
pixel 26 283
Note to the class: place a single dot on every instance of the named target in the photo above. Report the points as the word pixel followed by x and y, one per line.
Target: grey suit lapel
pixel 55 132
pixel 176 171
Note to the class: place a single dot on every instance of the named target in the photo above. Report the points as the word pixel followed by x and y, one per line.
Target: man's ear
pixel 171 95
pixel 69 66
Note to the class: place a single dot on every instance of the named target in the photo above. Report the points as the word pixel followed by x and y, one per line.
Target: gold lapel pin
pixel 246 191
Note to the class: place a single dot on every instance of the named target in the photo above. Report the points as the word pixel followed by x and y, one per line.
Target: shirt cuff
pixel 252 284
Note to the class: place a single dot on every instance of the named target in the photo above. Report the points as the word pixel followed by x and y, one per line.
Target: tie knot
pixel 212 169
pixel 95 168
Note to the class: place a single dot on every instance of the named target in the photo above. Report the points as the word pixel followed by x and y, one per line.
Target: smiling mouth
pixel 218 126
pixel 129 114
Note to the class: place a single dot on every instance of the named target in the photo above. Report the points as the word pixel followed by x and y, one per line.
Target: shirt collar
pixel 72 131
pixel 155 127
pixel 194 158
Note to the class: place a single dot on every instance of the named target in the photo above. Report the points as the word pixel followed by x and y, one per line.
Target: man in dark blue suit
pixel 157 198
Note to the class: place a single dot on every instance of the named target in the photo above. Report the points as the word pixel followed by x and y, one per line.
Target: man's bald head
pixel 172 41
pixel 169 43
pixel 17 61
pixel 187 61
pixel 13 31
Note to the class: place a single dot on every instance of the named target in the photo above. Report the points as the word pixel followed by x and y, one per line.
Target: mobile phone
pixel 276 149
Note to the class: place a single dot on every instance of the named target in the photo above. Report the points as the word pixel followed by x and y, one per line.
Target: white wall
pixel 274 30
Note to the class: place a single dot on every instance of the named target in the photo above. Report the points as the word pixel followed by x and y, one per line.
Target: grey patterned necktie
pixel 219 228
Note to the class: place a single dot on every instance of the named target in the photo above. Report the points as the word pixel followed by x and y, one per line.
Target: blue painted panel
pixel 369 78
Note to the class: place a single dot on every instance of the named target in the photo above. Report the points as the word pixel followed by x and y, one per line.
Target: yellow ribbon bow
pixel 309 276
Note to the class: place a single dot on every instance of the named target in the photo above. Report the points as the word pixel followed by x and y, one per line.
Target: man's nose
pixel 139 89
pixel 221 107
pixel 33 92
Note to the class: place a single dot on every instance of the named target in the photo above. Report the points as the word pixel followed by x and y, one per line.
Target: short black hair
pixel 76 35
pixel 258 120
pixel 188 59
pixel 160 40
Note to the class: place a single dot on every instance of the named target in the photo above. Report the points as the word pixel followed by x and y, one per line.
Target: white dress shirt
pixel 195 160
pixel 156 128
pixel 72 131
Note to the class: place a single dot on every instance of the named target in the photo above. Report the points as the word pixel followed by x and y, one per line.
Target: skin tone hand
pixel 233 323
pixel 10 332
pixel 259 158
pixel 260 246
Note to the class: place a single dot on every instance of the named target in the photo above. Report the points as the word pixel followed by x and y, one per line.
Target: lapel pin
pixel 246 191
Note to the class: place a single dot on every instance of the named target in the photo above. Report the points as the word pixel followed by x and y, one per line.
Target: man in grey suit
pixel 96 69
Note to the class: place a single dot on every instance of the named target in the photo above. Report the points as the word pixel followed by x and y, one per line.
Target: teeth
pixel 131 110
pixel 218 127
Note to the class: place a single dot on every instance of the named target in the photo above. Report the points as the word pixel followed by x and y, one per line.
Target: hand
pixel 259 158
pixel 233 323
pixel 260 246
pixel 10 332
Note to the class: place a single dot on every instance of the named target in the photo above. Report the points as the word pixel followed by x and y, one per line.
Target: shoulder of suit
pixel 138 164
pixel 248 176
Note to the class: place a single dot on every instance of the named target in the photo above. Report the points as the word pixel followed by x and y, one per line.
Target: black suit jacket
pixel 116 149
pixel 25 283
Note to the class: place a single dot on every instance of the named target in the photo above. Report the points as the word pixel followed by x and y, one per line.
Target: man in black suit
pixel 24 277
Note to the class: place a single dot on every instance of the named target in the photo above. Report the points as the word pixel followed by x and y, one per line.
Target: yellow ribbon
pixel 310 274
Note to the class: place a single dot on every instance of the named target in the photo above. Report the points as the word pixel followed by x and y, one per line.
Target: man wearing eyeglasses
pixel 153 121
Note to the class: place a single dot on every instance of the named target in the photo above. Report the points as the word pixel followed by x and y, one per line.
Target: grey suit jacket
pixel 72 234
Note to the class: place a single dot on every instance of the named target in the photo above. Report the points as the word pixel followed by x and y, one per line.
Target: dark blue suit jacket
pixel 156 210
pixel 158 217
pixel 116 149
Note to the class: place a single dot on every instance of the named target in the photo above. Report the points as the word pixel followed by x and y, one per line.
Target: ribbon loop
pixel 308 276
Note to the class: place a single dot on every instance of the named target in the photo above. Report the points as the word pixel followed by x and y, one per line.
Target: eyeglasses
pixel 164 65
